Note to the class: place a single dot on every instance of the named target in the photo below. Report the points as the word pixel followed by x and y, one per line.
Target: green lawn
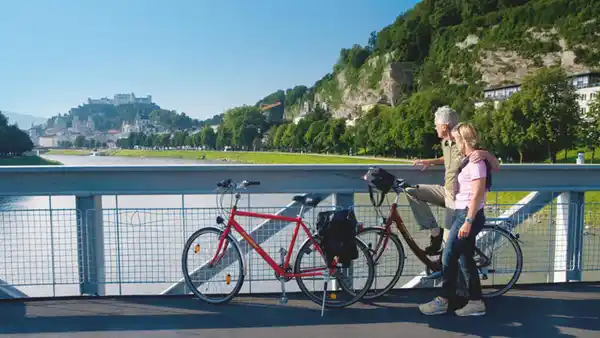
pixel 26 160
pixel 255 157
pixel 501 198
pixel 68 152
pixel 571 156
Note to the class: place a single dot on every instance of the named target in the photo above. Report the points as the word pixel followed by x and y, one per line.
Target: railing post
pixel 90 245
pixel 568 235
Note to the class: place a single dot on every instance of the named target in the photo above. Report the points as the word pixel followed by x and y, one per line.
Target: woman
pixel 469 219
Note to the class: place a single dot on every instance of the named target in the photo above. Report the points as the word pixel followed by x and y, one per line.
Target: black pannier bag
pixel 337 232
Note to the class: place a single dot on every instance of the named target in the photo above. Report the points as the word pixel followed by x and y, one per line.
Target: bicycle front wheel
pixel 388 256
pixel 499 259
pixel 220 281
pixel 353 281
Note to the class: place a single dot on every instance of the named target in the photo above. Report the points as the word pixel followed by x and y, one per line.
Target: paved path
pixel 548 311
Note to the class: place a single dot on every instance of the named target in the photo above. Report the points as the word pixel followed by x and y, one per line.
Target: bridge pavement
pixel 535 311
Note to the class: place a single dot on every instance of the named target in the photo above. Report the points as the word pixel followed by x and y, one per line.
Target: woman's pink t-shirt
pixel 470 172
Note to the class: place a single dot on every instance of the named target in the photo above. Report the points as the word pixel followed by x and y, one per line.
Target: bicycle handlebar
pixel 402 184
pixel 229 184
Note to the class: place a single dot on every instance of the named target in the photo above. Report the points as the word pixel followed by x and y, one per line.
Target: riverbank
pixel 249 157
pixel 26 160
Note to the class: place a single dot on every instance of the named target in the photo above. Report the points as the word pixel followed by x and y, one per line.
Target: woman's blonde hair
pixel 467 134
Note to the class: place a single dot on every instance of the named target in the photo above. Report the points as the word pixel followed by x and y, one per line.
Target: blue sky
pixel 194 56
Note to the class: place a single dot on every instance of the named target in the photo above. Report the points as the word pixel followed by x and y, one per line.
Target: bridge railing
pixel 103 245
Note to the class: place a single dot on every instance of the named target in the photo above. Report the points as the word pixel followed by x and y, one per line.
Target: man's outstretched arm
pixel 427 163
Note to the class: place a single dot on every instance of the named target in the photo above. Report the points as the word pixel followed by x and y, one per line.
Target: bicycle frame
pixel 281 271
pixel 394 217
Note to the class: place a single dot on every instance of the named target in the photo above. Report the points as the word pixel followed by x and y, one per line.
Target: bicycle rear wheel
pixel 217 283
pixel 495 249
pixel 361 272
pixel 388 256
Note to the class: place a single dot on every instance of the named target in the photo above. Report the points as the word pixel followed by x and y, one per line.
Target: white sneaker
pixel 473 308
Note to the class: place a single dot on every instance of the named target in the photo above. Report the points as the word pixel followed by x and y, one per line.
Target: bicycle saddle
pixel 307 200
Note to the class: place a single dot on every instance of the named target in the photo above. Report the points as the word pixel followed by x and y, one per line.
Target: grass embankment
pixel 26 160
pixel 68 152
pixel 570 157
pixel 255 157
pixel 501 198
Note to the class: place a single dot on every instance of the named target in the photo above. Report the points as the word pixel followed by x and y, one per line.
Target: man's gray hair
pixel 446 115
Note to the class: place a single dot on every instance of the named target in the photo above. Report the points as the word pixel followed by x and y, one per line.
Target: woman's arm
pixel 477 173
pixel 478 187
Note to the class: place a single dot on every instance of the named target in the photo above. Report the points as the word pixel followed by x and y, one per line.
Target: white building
pixel 141 125
pixel 587 86
pixel 51 141
pixel 79 126
pixel 119 99
pixel 34 136
pixel 48 142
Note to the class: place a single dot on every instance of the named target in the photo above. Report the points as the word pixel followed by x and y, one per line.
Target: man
pixel 445 119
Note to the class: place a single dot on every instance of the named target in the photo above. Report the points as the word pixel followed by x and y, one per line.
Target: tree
pixel 288 138
pixel 13 141
pixel 372 44
pixel 513 125
pixel 311 137
pixel 553 104
pixel 278 137
pixel 80 141
pixel 208 137
pixel 240 126
pixel 591 126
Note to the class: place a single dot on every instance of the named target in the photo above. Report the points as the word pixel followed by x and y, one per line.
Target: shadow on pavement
pixel 570 311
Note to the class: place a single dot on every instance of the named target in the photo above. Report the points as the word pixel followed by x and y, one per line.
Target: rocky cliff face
pixel 475 57
pixel 500 67
pixel 348 93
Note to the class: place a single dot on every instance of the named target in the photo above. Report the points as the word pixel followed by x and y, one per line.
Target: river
pixel 143 237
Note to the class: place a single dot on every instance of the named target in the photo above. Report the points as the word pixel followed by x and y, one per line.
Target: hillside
pixel 24 121
pixel 471 43
pixel 108 116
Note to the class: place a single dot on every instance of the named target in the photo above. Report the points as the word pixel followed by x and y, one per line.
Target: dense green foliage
pixel 26 160
pixel 13 141
pixel 534 124
pixel 537 122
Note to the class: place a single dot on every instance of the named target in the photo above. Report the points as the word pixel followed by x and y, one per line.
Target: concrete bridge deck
pixel 558 310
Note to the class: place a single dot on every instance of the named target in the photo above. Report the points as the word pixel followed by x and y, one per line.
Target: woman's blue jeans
pixel 463 249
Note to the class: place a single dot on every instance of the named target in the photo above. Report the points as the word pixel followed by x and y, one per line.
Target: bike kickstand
pixel 284 298
pixel 325 280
